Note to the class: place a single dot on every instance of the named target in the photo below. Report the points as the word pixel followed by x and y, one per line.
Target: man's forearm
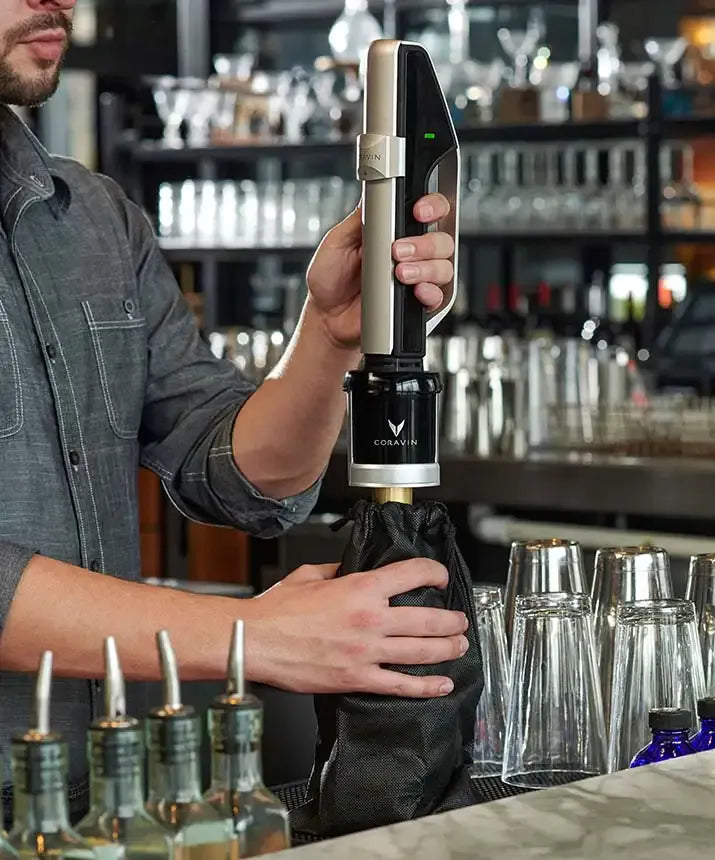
pixel 70 611
pixel 284 435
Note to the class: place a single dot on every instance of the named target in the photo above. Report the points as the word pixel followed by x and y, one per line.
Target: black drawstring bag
pixel 384 759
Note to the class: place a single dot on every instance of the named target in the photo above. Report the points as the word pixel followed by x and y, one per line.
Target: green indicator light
pixel 430 136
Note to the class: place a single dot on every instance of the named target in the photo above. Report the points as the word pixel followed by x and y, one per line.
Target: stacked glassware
pixel 591 674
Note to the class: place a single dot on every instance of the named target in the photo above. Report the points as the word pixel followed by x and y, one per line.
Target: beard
pixel 31 89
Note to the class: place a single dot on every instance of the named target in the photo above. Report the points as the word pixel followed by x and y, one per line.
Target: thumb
pixel 348 233
pixel 312 573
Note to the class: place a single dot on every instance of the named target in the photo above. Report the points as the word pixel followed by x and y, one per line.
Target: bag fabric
pixel 385 759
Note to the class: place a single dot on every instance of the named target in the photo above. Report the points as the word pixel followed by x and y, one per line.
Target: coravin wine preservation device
pixel 408 148
pixel 383 759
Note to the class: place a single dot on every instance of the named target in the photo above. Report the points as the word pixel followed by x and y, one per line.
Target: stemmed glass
pixel 665 53
pixel 172 104
pixel 204 106
pixel 520 45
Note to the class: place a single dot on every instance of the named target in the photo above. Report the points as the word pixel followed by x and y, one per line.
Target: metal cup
pixel 701 591
pixel 541 567
pixel 623 575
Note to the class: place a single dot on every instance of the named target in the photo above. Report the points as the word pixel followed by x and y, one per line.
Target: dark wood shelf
pixel 664 488
pixel 155 152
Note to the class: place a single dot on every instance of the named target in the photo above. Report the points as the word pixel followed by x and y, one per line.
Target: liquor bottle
pixel 670 728
pixel 705 739
pixel 173 734
pixel 258 819
pixel 41 826
pixel 117 825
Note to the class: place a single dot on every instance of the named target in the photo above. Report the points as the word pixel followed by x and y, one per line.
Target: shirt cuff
pixel 243 505
pixel 13 561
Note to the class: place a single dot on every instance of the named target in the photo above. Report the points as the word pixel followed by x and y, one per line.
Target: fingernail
pixel 466 623
pixel 426 212
pixel 403 250
pixel 464 646
pixel 446 688
pixel 409 272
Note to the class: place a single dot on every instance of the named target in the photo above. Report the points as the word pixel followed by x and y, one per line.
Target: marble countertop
pixel 660 812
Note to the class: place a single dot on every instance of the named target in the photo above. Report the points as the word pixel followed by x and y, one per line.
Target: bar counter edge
pixel 658 812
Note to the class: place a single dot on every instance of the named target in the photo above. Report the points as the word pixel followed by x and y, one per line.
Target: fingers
pixel 404 576
pixel 430 296
pixel 387 683
pixel 431 246
pixel 312 573
pixel 431 208
pixel 405 651
pixel 430 272
pixel 422 621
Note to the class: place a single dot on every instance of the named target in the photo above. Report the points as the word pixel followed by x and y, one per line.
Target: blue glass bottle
pixel 670 727
pixel 705 739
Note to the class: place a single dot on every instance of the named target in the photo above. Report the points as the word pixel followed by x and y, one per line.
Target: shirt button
pixel 94 565
pixel 74 458
pixel 129 307
pixel 51 351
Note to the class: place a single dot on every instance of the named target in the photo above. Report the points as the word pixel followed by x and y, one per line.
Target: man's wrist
pixel 315 323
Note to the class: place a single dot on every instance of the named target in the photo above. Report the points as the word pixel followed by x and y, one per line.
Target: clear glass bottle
pixel 705 739
pixel 173 733
pixel 6 852
pixel 258 819
pixel 351 35
pixel 117 825
pixel 41 826
pixel 670 727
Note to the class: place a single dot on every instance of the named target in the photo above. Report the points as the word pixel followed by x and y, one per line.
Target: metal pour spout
pixel 115 704
pixel 169 672
pixel 43 684
pixel 236 674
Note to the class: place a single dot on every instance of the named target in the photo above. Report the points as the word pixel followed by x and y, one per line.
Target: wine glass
pixel 351 35
pixel 204 106
pixel 520 45
pixel 172 104
pixel 665 53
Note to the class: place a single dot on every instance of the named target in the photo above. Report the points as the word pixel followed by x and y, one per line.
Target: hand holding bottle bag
pixel 384 759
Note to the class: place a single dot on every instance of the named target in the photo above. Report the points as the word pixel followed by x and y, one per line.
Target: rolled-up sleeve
pixel 192 400
pixel 13 561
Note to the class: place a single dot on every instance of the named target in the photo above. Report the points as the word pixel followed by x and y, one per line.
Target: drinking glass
pixel 555 732
pixel 657 664
pixel 490 717
pixel 666 53
pixel 172 104
pixel 519 45
pixel 701 591
pixel 203 108
pixel 236 67
pixel 623 575
pixel 541 567
pixel 224 119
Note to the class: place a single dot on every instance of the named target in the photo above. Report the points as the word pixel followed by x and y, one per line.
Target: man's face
pixel 34 38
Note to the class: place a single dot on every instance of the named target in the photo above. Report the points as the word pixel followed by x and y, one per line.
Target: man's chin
pixel 28 90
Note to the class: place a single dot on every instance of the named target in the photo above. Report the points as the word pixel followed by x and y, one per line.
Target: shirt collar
pixel 24 162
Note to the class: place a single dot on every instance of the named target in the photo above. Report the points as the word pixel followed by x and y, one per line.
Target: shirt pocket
pixel 118 332
pixel 11 403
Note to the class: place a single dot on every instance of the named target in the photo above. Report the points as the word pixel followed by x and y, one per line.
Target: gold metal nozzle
pixel 402 495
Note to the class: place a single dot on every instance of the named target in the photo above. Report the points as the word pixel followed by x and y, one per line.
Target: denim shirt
pixel 103 370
